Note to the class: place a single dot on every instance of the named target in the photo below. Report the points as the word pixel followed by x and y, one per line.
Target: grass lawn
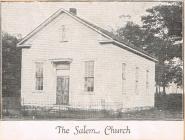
pixel 168 107
pixel 151 114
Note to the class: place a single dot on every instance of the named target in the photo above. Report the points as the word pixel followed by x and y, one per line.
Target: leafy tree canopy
pixel 160 35
pixel 164 20
pixel 11 66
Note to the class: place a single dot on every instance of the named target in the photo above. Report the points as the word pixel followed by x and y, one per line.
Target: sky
pixel 23 17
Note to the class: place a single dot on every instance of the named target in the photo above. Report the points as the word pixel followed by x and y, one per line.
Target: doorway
pixel 62 95
pixel 62 83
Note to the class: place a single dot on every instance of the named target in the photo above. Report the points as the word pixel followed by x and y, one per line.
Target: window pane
pixel 41 83
pixel 89 69
pixel 89 76
pixel 89 84
pixel 39 76
pixel 137 74
pixel 63 33
pixel 39 69
pixel 37 84
pixel 123 71
pixel 123 78
pixel 137 80
pixel 147 81
pixel 147 73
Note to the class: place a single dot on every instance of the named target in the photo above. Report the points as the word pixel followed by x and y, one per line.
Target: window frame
pixel 147 81
pixel 90 76
pixel 136 80
pixel 63 33
pixel 41 85
pixel 124 78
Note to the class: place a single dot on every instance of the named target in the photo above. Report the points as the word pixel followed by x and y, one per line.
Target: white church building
pixel 69 62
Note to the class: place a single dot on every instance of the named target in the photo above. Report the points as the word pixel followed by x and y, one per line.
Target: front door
pixel 62 94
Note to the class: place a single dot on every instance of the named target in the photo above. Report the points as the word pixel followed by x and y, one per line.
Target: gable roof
pixel 121 42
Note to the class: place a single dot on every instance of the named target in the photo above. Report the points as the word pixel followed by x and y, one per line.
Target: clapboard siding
pixel 83 45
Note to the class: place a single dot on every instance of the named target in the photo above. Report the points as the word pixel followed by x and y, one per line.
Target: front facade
pixel 68 62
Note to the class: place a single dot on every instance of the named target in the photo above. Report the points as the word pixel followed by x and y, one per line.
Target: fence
pixel 95 110
pixel 99 109
pixel 57 112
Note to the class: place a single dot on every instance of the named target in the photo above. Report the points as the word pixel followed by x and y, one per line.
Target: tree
pixel 11 66
pixel 143 39
pixel 165 22
pixel 133 33
pixel 160 35
pixel 165 19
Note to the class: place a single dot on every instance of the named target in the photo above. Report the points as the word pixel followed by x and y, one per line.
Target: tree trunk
pixel 164 90
pixel 157 92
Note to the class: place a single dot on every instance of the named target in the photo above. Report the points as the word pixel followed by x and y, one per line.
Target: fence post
pixel 23 106
pixel 59 111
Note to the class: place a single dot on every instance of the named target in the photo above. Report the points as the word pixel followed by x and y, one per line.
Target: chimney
pixel 73 11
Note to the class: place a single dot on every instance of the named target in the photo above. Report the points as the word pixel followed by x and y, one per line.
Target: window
pixel 89 76
pixel 137 80
pixel 39 76
pixel 147 81
pixel 123 78
pixel 63 36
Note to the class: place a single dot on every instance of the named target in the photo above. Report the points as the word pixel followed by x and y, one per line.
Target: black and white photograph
pixel 92 61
